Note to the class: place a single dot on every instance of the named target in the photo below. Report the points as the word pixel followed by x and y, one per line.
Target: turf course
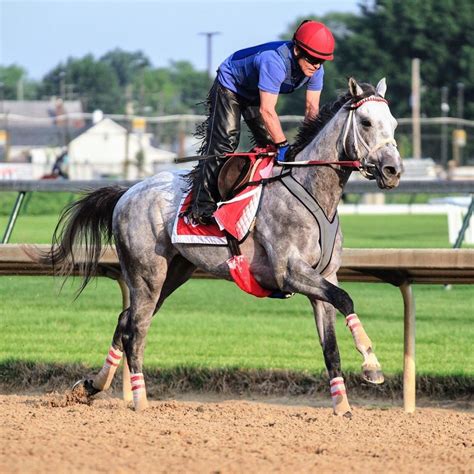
pixel 377 231
pixel 238 330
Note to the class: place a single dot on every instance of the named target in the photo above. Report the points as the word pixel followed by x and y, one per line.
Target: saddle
pixel 237 171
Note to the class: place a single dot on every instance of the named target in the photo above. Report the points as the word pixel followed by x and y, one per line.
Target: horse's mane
pixel 310 128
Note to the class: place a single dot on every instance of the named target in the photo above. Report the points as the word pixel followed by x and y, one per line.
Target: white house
pixel 106 150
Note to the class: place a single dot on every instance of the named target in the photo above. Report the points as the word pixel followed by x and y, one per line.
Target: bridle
pixel 360 163
pixel 365 166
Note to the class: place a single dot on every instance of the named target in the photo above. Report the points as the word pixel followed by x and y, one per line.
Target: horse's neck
pixel 325 183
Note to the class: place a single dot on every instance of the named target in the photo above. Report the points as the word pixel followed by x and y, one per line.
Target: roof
pixel 41 108
pixel 41 123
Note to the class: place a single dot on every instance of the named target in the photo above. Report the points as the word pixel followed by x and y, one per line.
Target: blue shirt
pixel 270 67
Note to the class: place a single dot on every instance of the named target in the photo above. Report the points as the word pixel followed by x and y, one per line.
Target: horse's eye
pixel 366 123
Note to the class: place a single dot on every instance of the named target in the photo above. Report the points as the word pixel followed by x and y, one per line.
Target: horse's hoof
pixel 373 376
pixel 348 415
pixel 85 388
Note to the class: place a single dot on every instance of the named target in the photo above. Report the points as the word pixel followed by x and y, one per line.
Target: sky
pixel 38 35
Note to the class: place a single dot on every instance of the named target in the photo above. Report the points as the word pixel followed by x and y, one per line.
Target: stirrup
pixel 204 220
pixel 197 219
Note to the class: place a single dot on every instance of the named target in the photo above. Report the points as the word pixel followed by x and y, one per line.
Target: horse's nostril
pixel 390 170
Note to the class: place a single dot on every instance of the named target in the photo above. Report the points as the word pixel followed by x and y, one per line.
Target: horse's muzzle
pixel 388 169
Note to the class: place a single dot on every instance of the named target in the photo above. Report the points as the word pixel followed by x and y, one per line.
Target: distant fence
pixel 352 187
pixel 175 132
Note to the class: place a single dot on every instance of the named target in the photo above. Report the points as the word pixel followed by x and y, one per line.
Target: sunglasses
pixel 311 59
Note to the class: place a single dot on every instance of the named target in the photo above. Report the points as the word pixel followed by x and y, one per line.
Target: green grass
pixel 36 204
pixel 376 231
pixel 197 327
pixel 212 324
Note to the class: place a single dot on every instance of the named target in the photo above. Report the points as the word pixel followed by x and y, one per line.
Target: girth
pixel 327 229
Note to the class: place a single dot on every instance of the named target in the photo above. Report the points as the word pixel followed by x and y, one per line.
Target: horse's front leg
pixel 325 317
pixel 302 278
pixel 371 368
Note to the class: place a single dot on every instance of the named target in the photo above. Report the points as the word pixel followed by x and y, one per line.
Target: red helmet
pixel 316 39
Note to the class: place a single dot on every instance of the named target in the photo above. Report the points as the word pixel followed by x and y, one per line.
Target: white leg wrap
pixel 140 401
pixel 362 341
pixel 104 378
pixel 339 397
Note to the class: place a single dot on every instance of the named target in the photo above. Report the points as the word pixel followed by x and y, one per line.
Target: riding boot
pixel 206 193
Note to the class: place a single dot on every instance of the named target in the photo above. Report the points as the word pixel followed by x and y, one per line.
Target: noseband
pixel 365 167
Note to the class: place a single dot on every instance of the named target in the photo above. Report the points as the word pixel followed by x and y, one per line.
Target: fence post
pixel 409 369
pixel 13 217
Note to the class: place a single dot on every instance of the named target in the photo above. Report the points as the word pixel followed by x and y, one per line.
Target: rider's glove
pixel 282 149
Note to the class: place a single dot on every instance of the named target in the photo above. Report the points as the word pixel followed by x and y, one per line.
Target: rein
pixel 259 154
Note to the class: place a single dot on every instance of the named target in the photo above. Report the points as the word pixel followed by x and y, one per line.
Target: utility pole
pixel 415 107
pixel 444 126
pixel 128 118
pixel 62 85
pixel 459 134
pixel 209 35
pixel 4 136
pixel 19 89
pixel 460 103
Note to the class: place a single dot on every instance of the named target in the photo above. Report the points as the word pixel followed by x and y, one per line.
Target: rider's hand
pixel 282 149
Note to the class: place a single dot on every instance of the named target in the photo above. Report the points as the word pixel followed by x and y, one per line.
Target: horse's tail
pixel 83 228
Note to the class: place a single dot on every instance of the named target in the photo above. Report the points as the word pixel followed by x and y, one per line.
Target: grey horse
pixel 283 248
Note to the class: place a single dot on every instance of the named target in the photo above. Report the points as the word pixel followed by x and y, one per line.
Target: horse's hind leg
pixel 179 271
pixel 103 379
pixel 143 306
pixel 145 283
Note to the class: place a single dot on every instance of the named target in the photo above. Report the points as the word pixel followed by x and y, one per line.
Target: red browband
pixel 372 98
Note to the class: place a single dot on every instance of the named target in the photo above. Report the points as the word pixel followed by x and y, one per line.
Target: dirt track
pixel 45 434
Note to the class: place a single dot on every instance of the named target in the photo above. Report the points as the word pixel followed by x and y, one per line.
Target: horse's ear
pixel 381 87
pixel 354 88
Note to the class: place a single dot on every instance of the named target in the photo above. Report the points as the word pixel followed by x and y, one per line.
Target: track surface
pixel 48 433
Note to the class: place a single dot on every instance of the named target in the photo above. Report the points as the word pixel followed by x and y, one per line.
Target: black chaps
pixel 222 136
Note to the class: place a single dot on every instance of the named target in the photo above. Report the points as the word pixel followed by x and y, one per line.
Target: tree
pixel 93 82
pixel 127 65
pixel 390 33
pixel 383 39
pixel 193 85
pixel 14 79
pixel 176 89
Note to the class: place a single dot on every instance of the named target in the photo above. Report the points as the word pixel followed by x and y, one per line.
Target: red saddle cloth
pixel 187 232
pixel 235 217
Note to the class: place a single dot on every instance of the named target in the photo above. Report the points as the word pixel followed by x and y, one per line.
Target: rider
pixel 248 84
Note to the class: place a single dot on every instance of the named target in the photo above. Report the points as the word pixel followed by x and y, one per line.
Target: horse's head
pixel 369 134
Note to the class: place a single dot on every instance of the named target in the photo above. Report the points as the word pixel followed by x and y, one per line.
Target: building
pixel 107 150
pixel 33 132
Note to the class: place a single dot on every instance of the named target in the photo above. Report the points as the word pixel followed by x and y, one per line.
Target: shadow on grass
pixel 18 375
